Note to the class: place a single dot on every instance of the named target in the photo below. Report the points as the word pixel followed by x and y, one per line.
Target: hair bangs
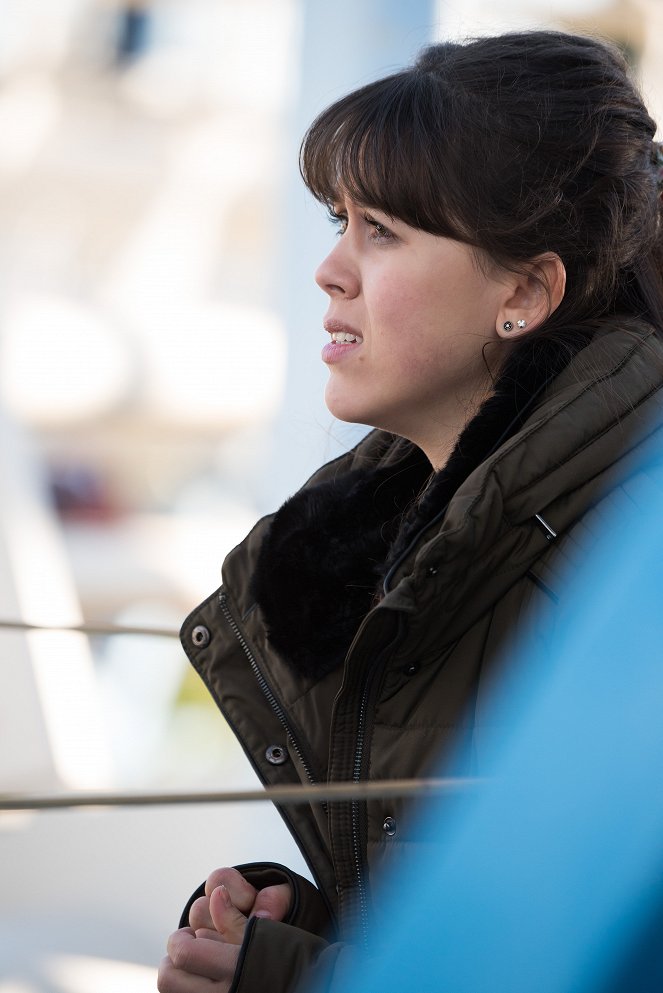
pixel 374 147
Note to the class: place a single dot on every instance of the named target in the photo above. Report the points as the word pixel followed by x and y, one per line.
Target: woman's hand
pixel 197 956
pixel 209 949
pixel 273 902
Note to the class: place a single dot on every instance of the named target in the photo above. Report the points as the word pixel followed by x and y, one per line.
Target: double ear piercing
pixel 508 325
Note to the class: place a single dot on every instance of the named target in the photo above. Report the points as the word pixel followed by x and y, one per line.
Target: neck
pixel 439 444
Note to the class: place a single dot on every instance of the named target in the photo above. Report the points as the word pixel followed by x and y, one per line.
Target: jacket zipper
pixel 356 815
pixel 356 778
pixel 280 714
pixel 264 685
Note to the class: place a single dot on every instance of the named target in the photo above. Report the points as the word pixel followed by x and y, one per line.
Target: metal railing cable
pixel 281 795
pixel 91 629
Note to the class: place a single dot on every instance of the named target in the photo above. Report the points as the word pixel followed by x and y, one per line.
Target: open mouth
pixel 341 345
pixel 345 338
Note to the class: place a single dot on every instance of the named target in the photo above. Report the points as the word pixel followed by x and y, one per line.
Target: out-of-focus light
pixel 35 561
pixel 16 986
pixel 578 6
pixel 139 684
pixel 59 363
pixel 187 547
pixel 38 33
pixel 196 59
pixel 474 18
pixel 164 83
pixel 264 82
pixel 169 254
pixel 81 974
pixel 63 672
pixel 226 366
pixel 30 109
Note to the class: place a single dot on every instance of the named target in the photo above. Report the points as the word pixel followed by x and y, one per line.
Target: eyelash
pixel 381 233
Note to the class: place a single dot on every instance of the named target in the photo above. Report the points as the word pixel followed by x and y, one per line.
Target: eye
pixel 380 231
pixel 339 220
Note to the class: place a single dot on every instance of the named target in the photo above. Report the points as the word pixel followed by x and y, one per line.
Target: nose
pixel 336 274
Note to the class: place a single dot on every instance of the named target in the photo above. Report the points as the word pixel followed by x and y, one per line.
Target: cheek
pixel 392 297
pixel 428 314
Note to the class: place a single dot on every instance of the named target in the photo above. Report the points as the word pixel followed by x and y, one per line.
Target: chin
pixel 351 413
pixel 345 408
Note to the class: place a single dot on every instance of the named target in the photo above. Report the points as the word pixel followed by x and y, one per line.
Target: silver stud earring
pixel 522 324
pixel 508 326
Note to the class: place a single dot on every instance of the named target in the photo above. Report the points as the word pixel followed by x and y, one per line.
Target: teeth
pixel 341 337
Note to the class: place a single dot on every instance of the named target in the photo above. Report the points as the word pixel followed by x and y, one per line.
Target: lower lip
pixel 333 352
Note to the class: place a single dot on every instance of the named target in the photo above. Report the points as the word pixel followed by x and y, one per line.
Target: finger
pixel 228 920
pixel 211 933
pixel 241 892
pixel 172 980
pixel 199 914
pixel 201 957
pixel 273 902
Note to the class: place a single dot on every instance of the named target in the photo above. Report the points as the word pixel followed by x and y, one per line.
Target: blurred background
pixel 160 388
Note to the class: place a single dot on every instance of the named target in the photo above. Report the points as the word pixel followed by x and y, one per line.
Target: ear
pixel 533 294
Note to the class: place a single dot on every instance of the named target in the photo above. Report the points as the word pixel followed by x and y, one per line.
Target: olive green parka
pixel 358 631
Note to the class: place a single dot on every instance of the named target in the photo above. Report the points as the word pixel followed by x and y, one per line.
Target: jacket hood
pixel 324 560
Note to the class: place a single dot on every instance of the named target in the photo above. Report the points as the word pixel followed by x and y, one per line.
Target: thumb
pixel 273 902
pixel 227 919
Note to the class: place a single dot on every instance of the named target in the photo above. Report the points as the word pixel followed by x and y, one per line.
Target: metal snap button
pixel 200 636
pixel 432 570
pixel 389 826
pixel 412 669
pixel 276 755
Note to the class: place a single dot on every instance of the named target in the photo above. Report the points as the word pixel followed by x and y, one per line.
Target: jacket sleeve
pixel 286 959
pixel 308 911
pixel 291 955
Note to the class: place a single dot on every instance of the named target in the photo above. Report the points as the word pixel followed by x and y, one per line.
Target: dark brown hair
pixel 519 144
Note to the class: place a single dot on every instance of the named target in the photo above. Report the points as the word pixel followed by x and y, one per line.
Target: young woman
pixel 495 312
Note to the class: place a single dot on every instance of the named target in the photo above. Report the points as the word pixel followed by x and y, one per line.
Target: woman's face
pixel 409 315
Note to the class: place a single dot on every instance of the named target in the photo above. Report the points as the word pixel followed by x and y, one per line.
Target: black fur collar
pixel 322 563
